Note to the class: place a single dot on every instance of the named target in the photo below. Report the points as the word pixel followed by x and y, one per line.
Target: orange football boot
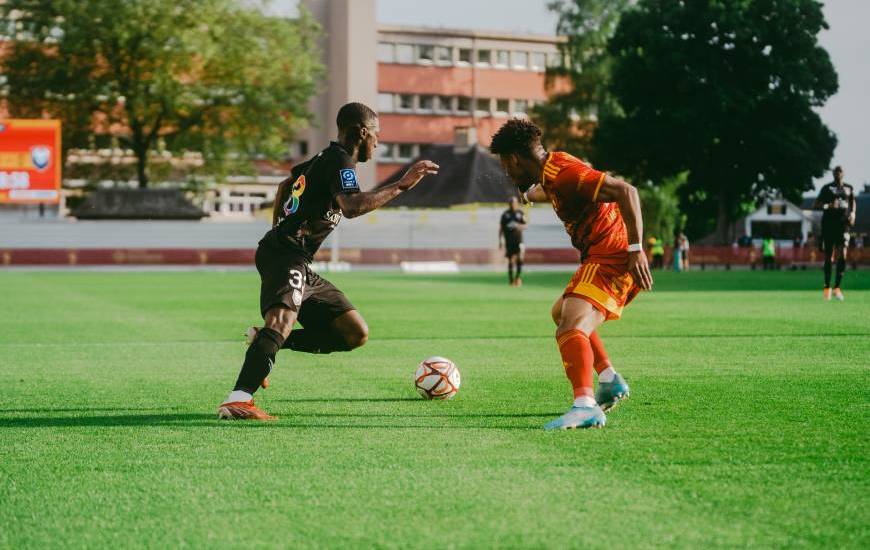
pixel 242 410
pixel 827 293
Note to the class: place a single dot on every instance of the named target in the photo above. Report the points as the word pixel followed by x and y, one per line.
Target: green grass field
pixel 747 426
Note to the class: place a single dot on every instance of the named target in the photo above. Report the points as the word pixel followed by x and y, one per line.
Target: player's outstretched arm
pixel 358 204
pixel 626 196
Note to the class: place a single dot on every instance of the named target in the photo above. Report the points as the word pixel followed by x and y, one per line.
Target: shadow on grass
pixel 285 420
pixel 347 400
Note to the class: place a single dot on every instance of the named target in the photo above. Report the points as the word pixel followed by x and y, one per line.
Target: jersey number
pixel 296 279
pixel 292 203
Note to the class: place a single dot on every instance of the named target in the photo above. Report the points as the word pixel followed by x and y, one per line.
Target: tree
pixel 723 89
pixel 660 205
pixel 207 75
pixel 579 86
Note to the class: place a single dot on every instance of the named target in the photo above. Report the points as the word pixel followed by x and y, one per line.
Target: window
pixel 406 151
pixel 406 102
pixel 484 57
pixel 554 59
pixel 502 106
pixel 502 58
pixel 482 104
pixel 385 151
pixel 463 104
pixel 465 55
pixel 404 53
pixel 385 103
pixel 521 106
pixel 386 52
pixel 444 103
pixel 425 54
pixel 539 61
pixel 427 102
pixel 444 55
pixel 521 60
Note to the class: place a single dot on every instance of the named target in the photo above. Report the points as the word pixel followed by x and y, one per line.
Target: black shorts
pixel 512 248
pixel 286 280
pixel 834 233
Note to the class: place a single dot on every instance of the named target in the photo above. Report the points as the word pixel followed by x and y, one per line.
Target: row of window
pixel 399 152
pixel 424 54
pixel 447 105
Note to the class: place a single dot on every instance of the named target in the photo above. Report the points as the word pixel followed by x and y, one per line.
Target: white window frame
pixel 499 64
pixel 507 105
pixel 418 52
pixel 459 60
pixel 402 109
pixel 487 112
pixel 480 63
pixel 440 109
pixel 388 99
pixel 412 59
pixel 515 61
pixel 533 66
pixel 459 109
pixel 420 108
pixel 450 53
pixel 392 52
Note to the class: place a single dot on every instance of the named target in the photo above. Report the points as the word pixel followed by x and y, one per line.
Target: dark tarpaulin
pixel 464 177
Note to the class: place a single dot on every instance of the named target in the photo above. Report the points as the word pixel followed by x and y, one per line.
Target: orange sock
pixel 577 357
pixel 601 359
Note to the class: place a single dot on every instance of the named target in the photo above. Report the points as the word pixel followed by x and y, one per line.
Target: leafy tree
pixel 207 75
pixel 723 89
pixel 579 86
pixel 660 205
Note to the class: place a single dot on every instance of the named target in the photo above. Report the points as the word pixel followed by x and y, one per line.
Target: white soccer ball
pixel 437 378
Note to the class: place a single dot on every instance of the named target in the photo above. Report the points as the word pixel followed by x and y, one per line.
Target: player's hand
pixel 851 219
pixel 639 269
pixel 417 172
pixel 500 245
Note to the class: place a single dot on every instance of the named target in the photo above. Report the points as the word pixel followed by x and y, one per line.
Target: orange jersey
pixel 596 228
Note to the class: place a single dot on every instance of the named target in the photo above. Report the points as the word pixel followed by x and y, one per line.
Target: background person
pixel 510 237
pixel 837 202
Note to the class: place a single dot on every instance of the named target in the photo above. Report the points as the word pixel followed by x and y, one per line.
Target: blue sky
pixel 848 43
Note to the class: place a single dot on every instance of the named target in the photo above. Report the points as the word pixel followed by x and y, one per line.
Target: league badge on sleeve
pixel 348 179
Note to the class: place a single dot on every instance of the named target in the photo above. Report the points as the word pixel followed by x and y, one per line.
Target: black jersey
pixel 838 199
pixel 510 222
pixel 309 213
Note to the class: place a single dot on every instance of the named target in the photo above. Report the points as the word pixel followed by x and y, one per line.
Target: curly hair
pixel 516 136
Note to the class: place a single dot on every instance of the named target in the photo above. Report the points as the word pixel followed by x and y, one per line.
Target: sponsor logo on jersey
pixel 348 178
pixel 291 205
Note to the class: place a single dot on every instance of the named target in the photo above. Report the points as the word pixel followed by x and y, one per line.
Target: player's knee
pixel 357 336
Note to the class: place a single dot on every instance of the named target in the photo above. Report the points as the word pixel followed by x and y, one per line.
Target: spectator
pixel 768 253
pixel 656 252
pixel 683 244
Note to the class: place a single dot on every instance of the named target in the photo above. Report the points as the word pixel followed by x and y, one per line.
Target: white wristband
pixel 637 247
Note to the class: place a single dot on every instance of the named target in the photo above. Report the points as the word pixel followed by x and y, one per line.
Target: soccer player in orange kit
pixel 603 218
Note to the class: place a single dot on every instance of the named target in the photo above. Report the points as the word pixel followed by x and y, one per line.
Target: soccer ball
pixel 437 378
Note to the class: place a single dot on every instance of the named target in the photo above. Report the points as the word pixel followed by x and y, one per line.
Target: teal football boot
pixel 578 417
pixel 609 394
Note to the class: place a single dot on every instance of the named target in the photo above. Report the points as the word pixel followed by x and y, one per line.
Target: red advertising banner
pixel 30 160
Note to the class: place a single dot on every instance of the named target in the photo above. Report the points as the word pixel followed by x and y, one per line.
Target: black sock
pixel 259 360
pixel 510 271
pixel 827 272
pixel 519 268
pixel 841 267
pixel 316 340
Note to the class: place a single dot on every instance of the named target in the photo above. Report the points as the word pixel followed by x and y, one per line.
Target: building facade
pixel 424 82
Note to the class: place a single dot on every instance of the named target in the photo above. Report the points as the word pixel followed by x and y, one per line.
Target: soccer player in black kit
pixel 837 200
pixel 510 230
pixel 308 206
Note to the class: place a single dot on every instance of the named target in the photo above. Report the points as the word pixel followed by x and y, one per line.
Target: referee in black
pixel 837 201
pixel 510 237
pixel 308 206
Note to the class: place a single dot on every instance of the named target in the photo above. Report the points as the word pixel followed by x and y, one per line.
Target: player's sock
pixel 602 363
pixel 841 267
pixel 585 401
pixel 577 357
pixel 237 396
pixel 827 272
pixel 519 268
pixel 510 271
pixel 259 360
pixel 316 340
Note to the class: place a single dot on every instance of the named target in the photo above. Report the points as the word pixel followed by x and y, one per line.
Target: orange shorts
pixel 608 287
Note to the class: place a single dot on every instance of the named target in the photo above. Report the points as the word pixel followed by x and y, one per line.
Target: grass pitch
pixel 748 422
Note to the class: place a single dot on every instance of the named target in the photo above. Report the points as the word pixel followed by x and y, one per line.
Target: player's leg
pixel 510 260
pixel 828 251
pixel 259 359
pixel 841 267
pixel 330 322
pixel 578 319
pixel 518 280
